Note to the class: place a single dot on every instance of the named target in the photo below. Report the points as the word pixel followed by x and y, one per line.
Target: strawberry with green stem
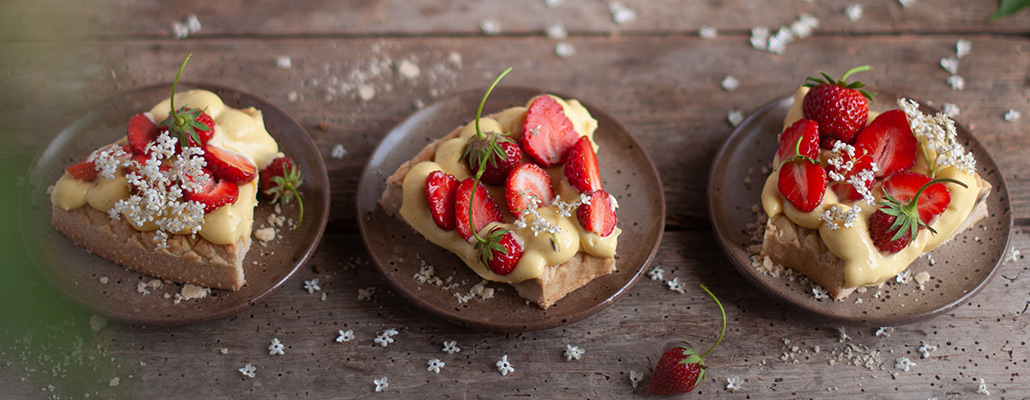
pixel 281 178
pixel 681 369
pixel 192 127
pixel 493 153
pixel 499 251
pixel 802 180
pixel 840 108
pixel 902 214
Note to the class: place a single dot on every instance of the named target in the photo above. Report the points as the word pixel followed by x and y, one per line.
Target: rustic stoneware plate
pixel 962 266
pixel 78 273
pixel 399 251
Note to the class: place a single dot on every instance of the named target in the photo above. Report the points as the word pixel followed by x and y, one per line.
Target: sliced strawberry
pixel 932 202
pixel 547 134
pixel 525 184
pixel 205 135
pixel 215 194
pixel 888 140
pixel 140 133
pixel 846 191
pixel 803 183
pixel 805 129
pixel 504 259
pixel 228 165
pixel 484 209
pixel 581 167
pixel 497 170
pixel 84 170
pixel 441 188
pixel 598 215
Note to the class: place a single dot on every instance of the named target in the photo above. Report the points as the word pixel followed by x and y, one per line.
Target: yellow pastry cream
pixel 539 249
pixel 864 264
pixel 239 130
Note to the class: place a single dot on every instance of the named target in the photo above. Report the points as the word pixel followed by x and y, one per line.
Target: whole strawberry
pixel 840 108
pixel 902 214
pixel 280 178
pixel 681 369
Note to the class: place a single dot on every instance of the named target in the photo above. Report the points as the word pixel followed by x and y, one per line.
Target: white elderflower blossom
pixel 345 336
pixel 656 273
pixel 884 331
pixel 435 365
pixel 312 286
pixel 386 337
pixel 276 348
pixel 248 370
pixel 950 64
pixel 962 48
pixel 735 117
pixel 951 110
pixel 381 384
pixel 804 25
pixel 733 384
pixel 904 364
pixel 926 348
pixel 854 12
pixel 982 388
pixel 938 137
pixel 675 285
pixel 635 377
pixel 504 366
pixel 572 352
pixel 904 277
pixel 1011 115
pixel 730 83
pixel 708 32
pixel 837 217
pixel 819 292
pixel 956 82
pixel 451 347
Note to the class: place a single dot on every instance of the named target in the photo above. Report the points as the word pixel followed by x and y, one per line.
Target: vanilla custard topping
pixel 540 249
pixel 864 264
pixel 239 130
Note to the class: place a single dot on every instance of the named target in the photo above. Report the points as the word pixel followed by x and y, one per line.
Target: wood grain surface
pixel 655 75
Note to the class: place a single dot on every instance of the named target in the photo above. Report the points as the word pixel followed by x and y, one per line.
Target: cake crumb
pixel 265 234
pixel 191 292
pixel 103 279
pixel 366 92
pixel 141 287
pixel 114 382
pixel 284 62
pixel 921 279
pixel 223 350
pixel 338 151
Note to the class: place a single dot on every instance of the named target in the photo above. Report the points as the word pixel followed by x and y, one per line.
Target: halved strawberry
pixel 598 215
pixel 215 194
pixel 904 185
pixel 204 135
pixel 802 182
pixel 228 165
pixel 889 142
pixel 497 168
pixel 484 209
pixel 581 167
pixel 500 252
pixel 526 183
pixel 84 170
pixel 846 191
pixel 140 133
pixel 805 129
pixel 441 188
pixel 547 134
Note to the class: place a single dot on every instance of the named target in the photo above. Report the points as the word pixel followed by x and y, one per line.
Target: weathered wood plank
pixel 33 20
pixel 981 339
pixel 663 89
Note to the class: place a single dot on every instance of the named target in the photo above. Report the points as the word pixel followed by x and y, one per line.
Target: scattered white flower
pixel 951 110
pixel 564 49
pixel 804 25
pixel 837 217
pixel 854 12
pixel 381 384
pixel 708 32
pixel 982 388
pixel 408 69
pixel 950 64
pixel 904 277
pixel 248 370
pixel 778 42
pixel 338 151
pixel 556 32
pixel 621 14
pixel 760 37
pixel 503 366
pixel 179 30
pixel 312 286
pixel 656 273
pixel 366 294
pixel 635 377
pixel 451 347
pixel 962 48
pixel 490 26
pixel 345 336
pixel 435 365
pixel 735 117
pixel 1011 115
pixel 292 97
pixel 553 3
pixel 884 331
pixel 675 285
pixel 572 352
pixel 193 23
pixel 276 348
pixel 366 92
pixel 1013 255
pixel 904 364
pixel 926 348
pixel 284 62
pixel 819 292
pixel 956 82
pixel 906 3
pixel 733 384
pixel 385 337
pixel 730 83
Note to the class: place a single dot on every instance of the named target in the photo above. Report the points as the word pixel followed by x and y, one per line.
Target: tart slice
pixel 175 197
pixel 856 196
pixel 517 196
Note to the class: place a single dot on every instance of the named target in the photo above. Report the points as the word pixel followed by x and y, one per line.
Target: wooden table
pixel 654 74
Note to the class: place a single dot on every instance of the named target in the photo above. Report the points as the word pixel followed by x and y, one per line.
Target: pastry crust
pixel 187 259
pixel 802 249
pixel 554 283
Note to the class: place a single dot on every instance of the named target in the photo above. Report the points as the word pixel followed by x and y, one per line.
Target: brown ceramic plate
pixel 963 265
pixel 399 251
pixel 78 273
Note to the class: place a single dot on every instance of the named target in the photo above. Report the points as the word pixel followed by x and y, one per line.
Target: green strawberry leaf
pixel 1009 7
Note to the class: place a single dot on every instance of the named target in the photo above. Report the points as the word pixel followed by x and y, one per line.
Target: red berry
pixel 803 183
pixel 902 186
pixel 84 170
pixel 598 215
pixel 204 134
pixel 215 194
pixel 804 129
pixel 838 106
pixel 229 166
pixel 681 369
pixel 441 188
pixel 581 167
pixel 502 262
pixel 882 235
pixel 280 179
pixel 527 183
pixel 484 209
pixel 547 134
pixel 140 133
pixel 889 142
pixel 497 169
